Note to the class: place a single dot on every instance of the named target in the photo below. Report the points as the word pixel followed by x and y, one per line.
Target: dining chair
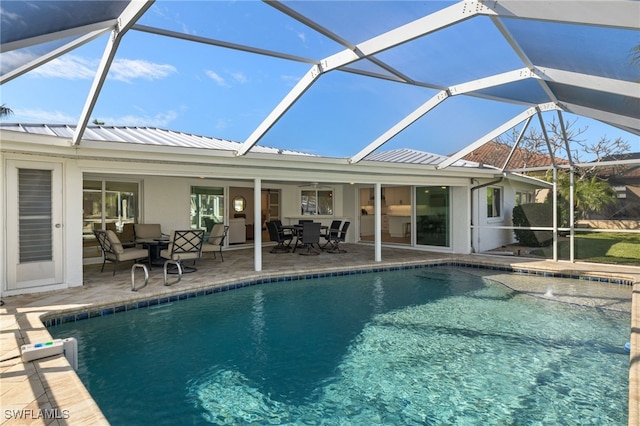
pixel 310 238
pixel 331 233
pixel 276 235
pixel 339 238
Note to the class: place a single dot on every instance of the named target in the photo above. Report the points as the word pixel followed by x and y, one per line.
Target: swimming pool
pixel 418 346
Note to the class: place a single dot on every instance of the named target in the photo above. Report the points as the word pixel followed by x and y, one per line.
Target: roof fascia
pixel 46 38
pixel 495 133
pixel 607 13
pixel 125 21
pixel 86 38
pixel 420 27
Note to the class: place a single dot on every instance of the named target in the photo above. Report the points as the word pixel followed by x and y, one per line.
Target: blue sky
pixel 172 84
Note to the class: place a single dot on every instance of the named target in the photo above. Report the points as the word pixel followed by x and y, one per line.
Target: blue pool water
pixel 422 346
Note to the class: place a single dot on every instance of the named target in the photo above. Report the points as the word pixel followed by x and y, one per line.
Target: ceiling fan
pixel 314 185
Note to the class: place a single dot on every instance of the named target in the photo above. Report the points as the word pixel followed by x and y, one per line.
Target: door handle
pixel 58 225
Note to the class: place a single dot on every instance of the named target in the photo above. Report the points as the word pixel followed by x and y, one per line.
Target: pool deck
pixel 48 391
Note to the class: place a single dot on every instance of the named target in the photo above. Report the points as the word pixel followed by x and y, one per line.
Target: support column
pixel 378 223
pixel 555 214
pixel 257 224
pixel 572 224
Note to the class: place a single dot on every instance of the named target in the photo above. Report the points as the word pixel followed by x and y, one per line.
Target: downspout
pixel 473 188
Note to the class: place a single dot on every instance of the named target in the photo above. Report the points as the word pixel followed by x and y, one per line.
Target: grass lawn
pixel 599 247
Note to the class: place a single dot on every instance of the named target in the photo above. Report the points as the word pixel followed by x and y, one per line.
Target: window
pixel 523 198
pixel 106 205
pixel 207 207
pixel 494 202
pixel 314 202
pixel 433 215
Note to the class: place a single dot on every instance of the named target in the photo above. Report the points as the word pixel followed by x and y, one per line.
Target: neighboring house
pixel 56 193
pixel 625 179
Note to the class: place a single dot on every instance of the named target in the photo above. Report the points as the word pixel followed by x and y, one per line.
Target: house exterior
pixel 55 193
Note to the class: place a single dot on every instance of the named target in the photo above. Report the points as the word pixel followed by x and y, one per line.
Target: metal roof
pixel 412 156
pixel 169 138
pixel 140 135
pixel 564 56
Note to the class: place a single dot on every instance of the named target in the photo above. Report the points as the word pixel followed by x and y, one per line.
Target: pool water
pixel 418 346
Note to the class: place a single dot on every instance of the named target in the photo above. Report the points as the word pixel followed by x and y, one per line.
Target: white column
pixel 257 224
pixel 555 214
pixel 378 223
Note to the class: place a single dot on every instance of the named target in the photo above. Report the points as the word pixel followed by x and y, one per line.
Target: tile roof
pixel 496 153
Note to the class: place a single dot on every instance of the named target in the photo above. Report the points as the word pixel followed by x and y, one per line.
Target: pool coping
pixel 61 386
pixel 53 319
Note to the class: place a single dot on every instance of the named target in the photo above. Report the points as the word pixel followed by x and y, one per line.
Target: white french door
pixel 34 224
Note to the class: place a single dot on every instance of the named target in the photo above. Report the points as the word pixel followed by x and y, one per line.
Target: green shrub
pixel 533 215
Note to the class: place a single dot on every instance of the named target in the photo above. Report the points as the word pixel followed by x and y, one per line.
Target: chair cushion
pixel 216 234
pixel 133 253
pixel 116 245
pixel 128 233
pixel 146 231
pixel 207 248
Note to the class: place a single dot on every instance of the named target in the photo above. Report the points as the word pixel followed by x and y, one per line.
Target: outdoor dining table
pixel 155 246
pixel 296 230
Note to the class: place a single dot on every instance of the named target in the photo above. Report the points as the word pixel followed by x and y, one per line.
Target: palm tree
pixel 4 111
pixel 591 195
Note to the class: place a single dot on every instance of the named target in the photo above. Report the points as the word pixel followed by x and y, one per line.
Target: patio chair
pixel 216 240
pixel 310 236
pixel 331 233
pixel 183 245
pixel 278 236
pixel 339 238
pixel 113 251
pixel 148 232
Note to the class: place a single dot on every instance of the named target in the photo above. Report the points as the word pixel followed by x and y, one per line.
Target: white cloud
pixel 161 119
pixel 42 116
pixel 216 77
pixel 221 123
pixel 6 16
pixel 72 67
pixel 290 79
pixel 239 77
pixel 69 67
pixel 14 59
pixel 130 69
pixel 302 37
